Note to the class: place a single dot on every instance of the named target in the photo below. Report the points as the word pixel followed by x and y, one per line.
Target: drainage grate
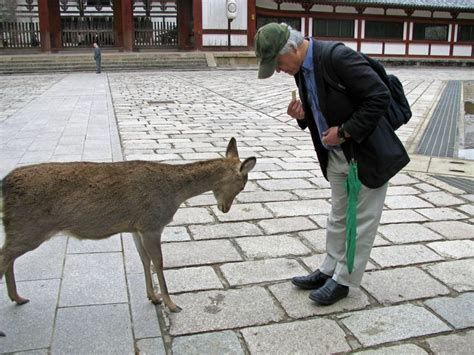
pixel 439 138
pixel 461 183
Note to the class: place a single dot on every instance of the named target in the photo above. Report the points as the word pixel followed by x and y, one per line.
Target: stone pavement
pixel 230 272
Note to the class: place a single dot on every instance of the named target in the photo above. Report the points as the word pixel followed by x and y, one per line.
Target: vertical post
pixel 50 25
pixel 229 21
pixel 124 27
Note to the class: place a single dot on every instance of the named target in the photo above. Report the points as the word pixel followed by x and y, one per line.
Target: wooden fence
pixel 19 35
pixel 82 32
pixel 155 34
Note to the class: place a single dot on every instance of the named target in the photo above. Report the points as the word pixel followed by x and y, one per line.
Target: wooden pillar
pixel 185 23
pixel 197 16
pixel 123 23
pixel 50 25
pixel 251 22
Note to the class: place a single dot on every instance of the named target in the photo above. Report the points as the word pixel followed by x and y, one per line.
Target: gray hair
pixel 294 41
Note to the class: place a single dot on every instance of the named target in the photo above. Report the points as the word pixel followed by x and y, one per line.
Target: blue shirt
pixel 310 83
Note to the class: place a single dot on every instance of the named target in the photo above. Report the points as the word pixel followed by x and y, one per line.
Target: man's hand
pixel 330 136
pixel 295 109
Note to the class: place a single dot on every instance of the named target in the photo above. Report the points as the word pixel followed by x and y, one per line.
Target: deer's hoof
pixel 20 300
pixel 2 334
pixel 176 309
pixel 155 300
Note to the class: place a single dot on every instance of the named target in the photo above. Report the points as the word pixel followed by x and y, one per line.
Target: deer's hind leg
pixel 152 296
pixel 152 243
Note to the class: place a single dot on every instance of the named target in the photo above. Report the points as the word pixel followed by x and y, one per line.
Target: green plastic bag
pixel 353 186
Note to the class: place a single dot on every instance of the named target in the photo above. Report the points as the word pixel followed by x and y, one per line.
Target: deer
pixel 90 200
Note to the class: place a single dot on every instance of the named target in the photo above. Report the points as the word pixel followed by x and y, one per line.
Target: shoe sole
pixel 326 303
pixel 304 287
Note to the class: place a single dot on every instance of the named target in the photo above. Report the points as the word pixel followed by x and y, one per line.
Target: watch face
pixel 232 7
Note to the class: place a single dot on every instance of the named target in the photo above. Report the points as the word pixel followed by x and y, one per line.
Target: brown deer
pixel 98 200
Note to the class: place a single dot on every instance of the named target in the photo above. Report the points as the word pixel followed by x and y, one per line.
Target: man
pixel 97 57
pixel 344 126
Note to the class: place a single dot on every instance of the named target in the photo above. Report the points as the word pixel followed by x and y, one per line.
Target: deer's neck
pixel 196 178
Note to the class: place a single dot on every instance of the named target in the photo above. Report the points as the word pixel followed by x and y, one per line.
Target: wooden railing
pixel 19 35
pixel 155 34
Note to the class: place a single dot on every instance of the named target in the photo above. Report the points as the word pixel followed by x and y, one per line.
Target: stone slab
pixel 264 196
pixel 452 229
pixel 249 272
pixel 315 336
pixel 150 346
pixel 224 230
pixel 144 316
pixel 407 201
pixel 104 329
pixel 455 249
pixel 192 279
pixel 459 344
pixel 299 208
pixel 389 324
pixel 285 184
pixel 29 326
pixel 220 310
pixel 283 225
pixel 405 284
pixel 243 212
pixel 271 246
pixel 401 216
pixel 192 215
pixel 198 253
pixel 441 213
pixel 93 279
pixel 458 311
pixel 297 304
pixel 402 233
pixel 407 349
pixel 175 234
pixel 317 238
pixel 455 274
pixel 441 198
pixel 400 255
pixel 215 343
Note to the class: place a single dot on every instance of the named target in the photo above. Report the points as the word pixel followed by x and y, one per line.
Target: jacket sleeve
pixel 365 88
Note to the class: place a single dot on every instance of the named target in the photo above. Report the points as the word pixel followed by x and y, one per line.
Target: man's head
pixel 95 45
pixel 277 46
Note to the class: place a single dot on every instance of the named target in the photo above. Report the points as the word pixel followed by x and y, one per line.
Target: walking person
pixel 97 57
pixel 346 127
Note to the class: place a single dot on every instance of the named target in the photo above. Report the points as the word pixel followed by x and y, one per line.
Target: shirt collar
pixel 308 60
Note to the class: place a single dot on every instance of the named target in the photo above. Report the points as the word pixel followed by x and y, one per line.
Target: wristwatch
pixel 340 133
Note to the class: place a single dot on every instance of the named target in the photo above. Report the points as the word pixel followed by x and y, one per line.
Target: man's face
pixel 288 63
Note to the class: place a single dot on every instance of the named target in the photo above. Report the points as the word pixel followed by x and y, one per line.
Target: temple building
pixel 391 28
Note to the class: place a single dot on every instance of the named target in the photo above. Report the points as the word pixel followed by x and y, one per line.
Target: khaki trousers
pixel 369 210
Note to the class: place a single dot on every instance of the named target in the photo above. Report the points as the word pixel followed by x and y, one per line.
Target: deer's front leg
pixel 152 244
pixel 152 296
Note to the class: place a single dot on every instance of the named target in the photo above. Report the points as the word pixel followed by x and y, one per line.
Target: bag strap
pixel 328 71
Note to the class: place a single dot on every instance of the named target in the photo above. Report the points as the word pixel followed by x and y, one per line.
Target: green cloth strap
pixel 353 186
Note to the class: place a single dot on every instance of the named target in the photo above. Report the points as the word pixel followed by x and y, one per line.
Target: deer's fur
pixel 98 200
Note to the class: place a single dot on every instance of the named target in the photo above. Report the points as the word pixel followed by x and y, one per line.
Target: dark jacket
pixel 373 143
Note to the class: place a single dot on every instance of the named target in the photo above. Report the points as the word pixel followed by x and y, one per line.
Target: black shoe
pixel 313 281
pixel 330 293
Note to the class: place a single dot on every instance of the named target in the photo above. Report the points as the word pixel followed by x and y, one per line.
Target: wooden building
pixel 394 28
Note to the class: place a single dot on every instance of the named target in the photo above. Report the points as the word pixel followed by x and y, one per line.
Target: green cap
pixel 269 41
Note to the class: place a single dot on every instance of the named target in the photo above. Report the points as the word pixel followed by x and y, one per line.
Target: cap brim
pixel 266 70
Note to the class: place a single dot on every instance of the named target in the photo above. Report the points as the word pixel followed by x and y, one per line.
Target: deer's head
pixel 234 179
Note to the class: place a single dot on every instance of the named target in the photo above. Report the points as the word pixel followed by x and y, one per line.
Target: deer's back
pixel 61 195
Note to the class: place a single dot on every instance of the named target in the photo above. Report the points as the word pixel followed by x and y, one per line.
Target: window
pixel 295 23
pixel 466 33
pixel 430 32
pixel 386 30
pixel 333 28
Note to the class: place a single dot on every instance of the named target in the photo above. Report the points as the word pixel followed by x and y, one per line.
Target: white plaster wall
pixel 267 4
pixel 396 12
pixel 460 50
pixel 418 49
pixel 291 7
pixel 421 13
pixel 405 27
pixel 352 45
pixel 395 48
pixel 321 8
pixel 356 28
pixel 362 29
pixel 346 10
pixel 441 14
pixel 440 49
pixel 221 40
pixel 214 15
pixel 371 48
pixel 466 16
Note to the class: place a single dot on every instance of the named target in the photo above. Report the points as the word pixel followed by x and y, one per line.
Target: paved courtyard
pixel 230 272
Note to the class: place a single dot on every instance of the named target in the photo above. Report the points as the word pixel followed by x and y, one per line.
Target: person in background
pixel 97 57
pixel 345 126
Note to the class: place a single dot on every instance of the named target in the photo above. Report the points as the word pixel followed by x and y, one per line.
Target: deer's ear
pixel 248 165
pixel 232 151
